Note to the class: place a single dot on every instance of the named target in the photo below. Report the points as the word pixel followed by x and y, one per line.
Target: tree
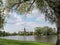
pixel 48 30
pixel 14 33
pixel 49 7
pixel 38 31
pixel 44 30
pixel 1 15
pixel 52 13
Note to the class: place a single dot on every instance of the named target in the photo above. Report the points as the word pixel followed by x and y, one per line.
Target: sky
pixel 17 22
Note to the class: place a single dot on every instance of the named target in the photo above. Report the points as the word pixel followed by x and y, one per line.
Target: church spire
pixel 24 30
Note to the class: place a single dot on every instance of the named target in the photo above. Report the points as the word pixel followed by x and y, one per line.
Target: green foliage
pixel 48 30
pixel 45 7
pixel 14 33
pixel 38 30
pixel 51 9
pixel 1 2
pixel 1 18
pixel 23 8
pixel 41 5
pixel 9 3
pixel 44 31
pixel 3 33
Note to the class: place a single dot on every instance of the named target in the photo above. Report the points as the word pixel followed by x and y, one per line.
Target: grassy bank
pixel 15 42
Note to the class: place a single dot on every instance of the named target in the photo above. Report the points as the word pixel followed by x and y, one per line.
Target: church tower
pixel 24 30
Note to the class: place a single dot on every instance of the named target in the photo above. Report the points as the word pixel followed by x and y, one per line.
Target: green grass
pixel 15 42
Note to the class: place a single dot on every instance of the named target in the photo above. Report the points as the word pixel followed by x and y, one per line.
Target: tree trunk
pixel 58 30
pixel 58 36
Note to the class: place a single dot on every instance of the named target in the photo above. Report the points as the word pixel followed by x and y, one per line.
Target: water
pixel 50 39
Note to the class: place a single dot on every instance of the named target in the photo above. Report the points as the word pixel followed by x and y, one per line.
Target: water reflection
pixel 50 39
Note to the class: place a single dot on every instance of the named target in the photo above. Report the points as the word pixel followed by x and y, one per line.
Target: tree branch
pixel 31 4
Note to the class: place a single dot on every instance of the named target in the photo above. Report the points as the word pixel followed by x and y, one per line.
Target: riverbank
pixel 15 42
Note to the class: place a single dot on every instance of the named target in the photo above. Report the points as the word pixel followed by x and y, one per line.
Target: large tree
pixel 52 13
pixel 49 7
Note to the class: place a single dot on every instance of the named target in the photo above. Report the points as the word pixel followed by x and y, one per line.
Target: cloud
pixel 15 19
pixel 34 13
pixel 31 24
pixel 41 17
pixel 18 24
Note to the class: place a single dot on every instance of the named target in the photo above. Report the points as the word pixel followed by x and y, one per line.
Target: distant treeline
pixel 38 31
pixel 3 33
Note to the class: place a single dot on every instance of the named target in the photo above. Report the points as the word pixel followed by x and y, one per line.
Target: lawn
pixel 15 42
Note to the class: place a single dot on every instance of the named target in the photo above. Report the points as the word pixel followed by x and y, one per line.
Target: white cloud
pixel 32 24
pixel 29 16
pixel 34 13
pixel 17 19
pixel 41 17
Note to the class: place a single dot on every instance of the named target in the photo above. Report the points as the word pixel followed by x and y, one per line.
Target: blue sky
pixel 16 22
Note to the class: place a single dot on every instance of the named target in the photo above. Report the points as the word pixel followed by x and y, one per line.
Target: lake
pixel 50 39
